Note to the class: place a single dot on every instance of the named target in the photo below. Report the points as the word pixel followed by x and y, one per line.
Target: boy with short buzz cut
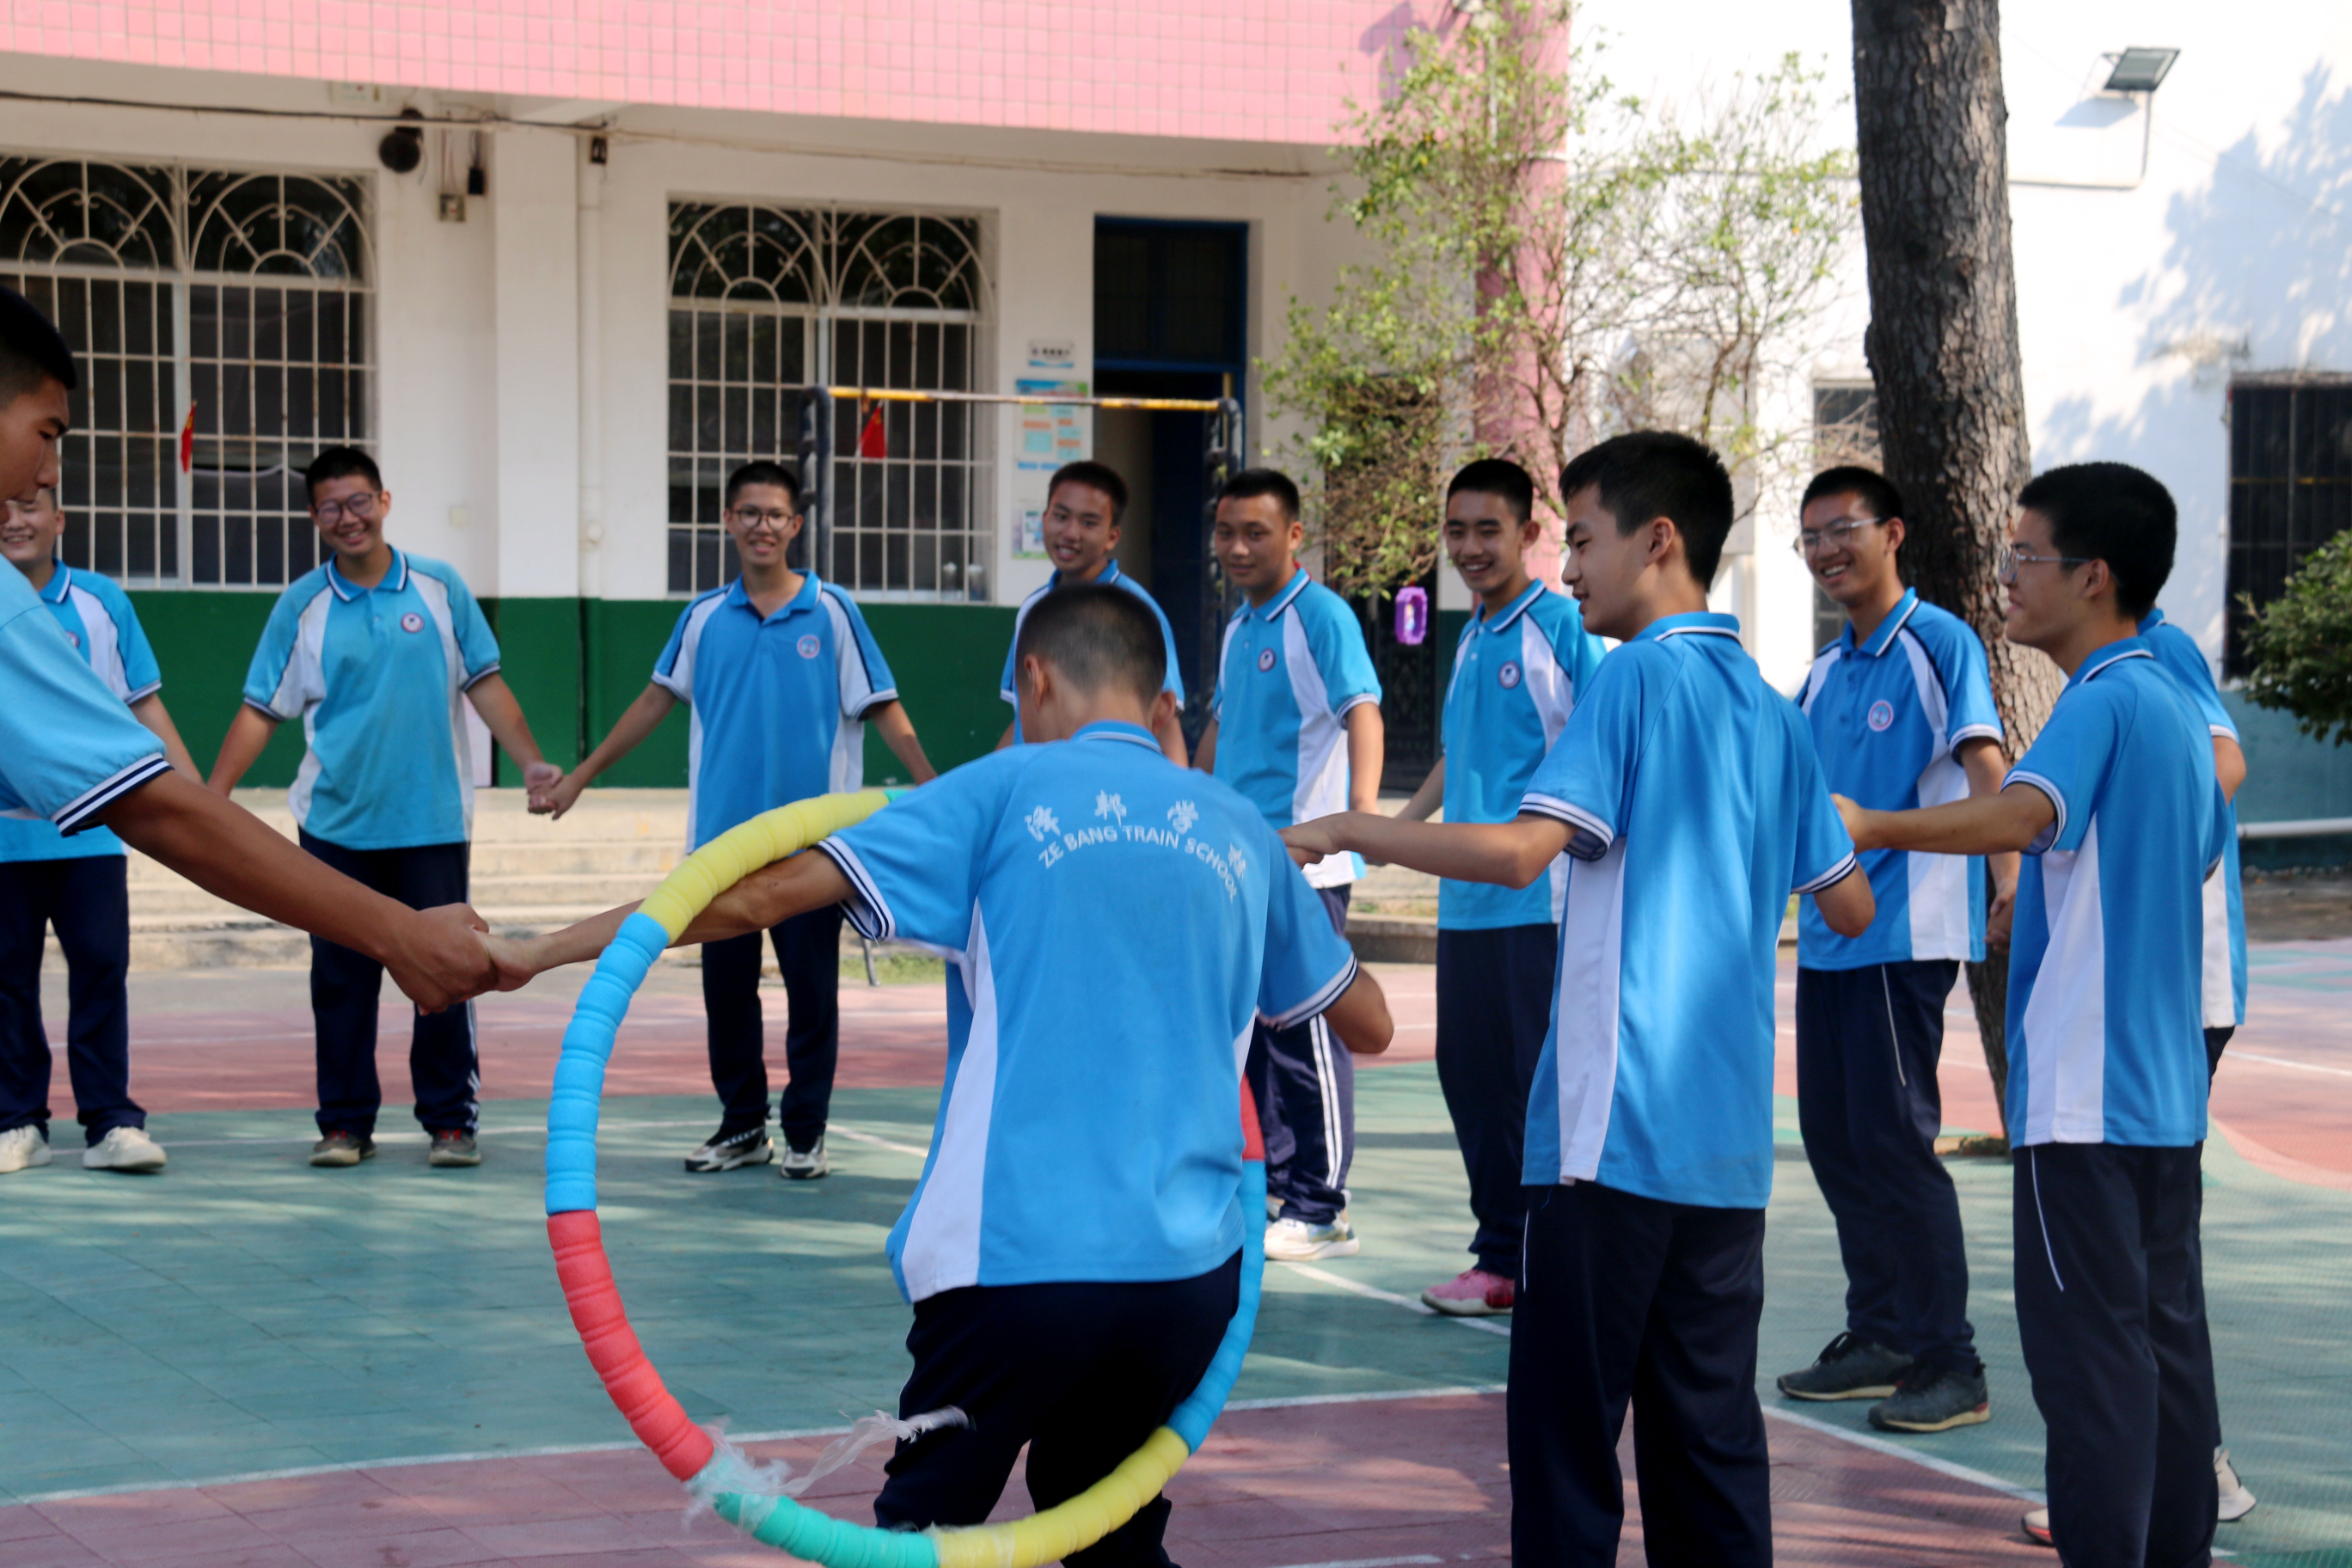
pixel 376 651
pixel 77 885
pixel 783 677
pixel 1901 709
pixel 2121 822
pixel 1297 728
pixel 1101 1147
pixel 1084 503
pixel 1523 658
pixel 1687 791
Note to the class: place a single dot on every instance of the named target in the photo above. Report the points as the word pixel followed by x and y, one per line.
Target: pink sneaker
pixel 1473 1293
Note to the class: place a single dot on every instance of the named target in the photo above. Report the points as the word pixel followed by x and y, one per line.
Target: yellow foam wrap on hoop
pixel 1069 1526
pixel 745 847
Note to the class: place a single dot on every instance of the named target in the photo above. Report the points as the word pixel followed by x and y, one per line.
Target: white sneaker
pixel 125 1149
pixel 2236 1502
pixel 22 1148
pixel 802 1165
pixel 1295 1241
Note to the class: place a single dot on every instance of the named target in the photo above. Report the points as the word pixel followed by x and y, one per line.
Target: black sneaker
pixel 1848 1368
pixel 1933 1398
pixel 342 1148
pixel 454 1146
pixel 725 1150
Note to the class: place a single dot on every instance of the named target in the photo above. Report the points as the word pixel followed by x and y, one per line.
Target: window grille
pixel 2290 488
pixel 766 302
pixel 243 293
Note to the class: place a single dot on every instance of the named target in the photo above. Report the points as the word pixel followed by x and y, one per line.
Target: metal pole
pixel 817 476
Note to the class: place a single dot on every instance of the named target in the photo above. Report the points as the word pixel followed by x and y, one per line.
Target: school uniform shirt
pixel 778 702
pixel 100 623
pixel 2106 1041
pixel 68 747
pixel 1117 925
pixel 1516 677
pixel 1288 675
pixel 1009 685
pixel 1889 714
pixel 1695 806
pixel 378 676
pixel 2225 896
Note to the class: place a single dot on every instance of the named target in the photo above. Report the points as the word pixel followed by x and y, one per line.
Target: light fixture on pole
pixel 2140 70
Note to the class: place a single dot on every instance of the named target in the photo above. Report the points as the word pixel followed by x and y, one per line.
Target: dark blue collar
pixel 395 578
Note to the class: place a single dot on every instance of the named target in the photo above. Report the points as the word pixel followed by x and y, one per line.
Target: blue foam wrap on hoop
pixel 1194 1418
pixel 580 1071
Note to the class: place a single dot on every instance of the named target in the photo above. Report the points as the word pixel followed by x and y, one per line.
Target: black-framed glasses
pixel 1813 541
pixel 752 517
pixel 361 506
pixel 2010 558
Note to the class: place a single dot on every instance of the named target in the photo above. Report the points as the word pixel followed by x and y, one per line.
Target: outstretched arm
pixel 150 711
pixel 248 732
pixel 768 897
pixel 897 731
pixel 2003 823
pixel 494 700
pixel 1511 854
pixel 435 955
pixel 639 720
pixel 1367 756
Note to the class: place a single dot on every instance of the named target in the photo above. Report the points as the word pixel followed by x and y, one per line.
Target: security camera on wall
pixel 403 148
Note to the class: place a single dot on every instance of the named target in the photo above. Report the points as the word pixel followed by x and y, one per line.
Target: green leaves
pixel 2300 645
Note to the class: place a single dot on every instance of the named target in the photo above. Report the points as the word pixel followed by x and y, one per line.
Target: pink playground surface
pixel 1236 70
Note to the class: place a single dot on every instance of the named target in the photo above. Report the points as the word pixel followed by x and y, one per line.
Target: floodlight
pixel 2140 70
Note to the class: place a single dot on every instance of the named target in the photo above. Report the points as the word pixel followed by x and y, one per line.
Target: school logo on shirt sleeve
pixel 810 647
pixel 1882 715
pixel 411 622
pixel 1508 675
pixel 1266 659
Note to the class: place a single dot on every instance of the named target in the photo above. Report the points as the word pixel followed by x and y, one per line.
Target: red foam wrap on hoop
pixel 1253 1140
pixel 635 1386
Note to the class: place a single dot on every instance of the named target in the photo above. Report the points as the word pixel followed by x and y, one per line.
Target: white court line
pixel 528 1130
pixel 2284 1062
pixel 1370 1561
pixel 559 1450
pixel 1408 1304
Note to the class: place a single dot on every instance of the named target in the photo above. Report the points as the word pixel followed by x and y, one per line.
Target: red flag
pixel 872 440
pixel 188 440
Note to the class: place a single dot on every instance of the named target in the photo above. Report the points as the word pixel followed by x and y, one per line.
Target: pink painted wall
pixel 1259 70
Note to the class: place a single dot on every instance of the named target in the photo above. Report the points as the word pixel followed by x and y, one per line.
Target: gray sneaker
pixel 1934 1399
pixel 454 1146
pixel 340 1148
pixel 803 1165
pixel 725 1150
pixel 1849 1367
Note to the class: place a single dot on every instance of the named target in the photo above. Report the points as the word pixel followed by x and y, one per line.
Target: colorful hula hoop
pixel 688 1452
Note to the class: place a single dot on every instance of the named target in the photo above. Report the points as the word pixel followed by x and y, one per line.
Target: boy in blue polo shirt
pixel 1084 503
pixel 373 652
pixel 1902 713
pixel 1689 793
pixel 1297 728
pixel 782 678
pixel 1522 660
pixel 1073 1247
pixel 77 885
pixel 2121 822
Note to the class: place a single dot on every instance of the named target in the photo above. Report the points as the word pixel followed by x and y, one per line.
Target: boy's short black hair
pixel 764 471
pixel 1870 487
pixel 1099 635
pixel 31 350
pixel 1252 483
pixel 340 463
pixel 2115 513
pixel 1497 476
pixel 1645 474
pixel 1095 477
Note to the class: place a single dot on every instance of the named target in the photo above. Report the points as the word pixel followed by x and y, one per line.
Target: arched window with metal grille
pixel 235 303
pixel 768 301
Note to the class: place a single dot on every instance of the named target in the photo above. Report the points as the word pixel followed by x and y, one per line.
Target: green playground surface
pixel 249 1315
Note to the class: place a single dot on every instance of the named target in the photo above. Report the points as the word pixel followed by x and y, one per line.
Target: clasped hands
pixel 446 956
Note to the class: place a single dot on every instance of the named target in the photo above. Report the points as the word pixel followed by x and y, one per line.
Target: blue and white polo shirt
pixel 98 620
pixel 778 704
pixel 1009 685
pixel 1287 676
pixel 69 746
pixel 2225 896
pixel 2106 1041
pixel 1077 1139
pixel 1696 806
pixel 1516 676
pixel 378 676
pixel 1888 716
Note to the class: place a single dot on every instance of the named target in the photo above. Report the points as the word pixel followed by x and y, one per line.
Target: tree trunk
pixel 1931 129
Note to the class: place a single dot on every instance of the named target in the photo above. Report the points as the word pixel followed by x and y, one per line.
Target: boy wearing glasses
pixel 2121 822
pixel 783 677
pixel 373 651
pixel 1902 713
